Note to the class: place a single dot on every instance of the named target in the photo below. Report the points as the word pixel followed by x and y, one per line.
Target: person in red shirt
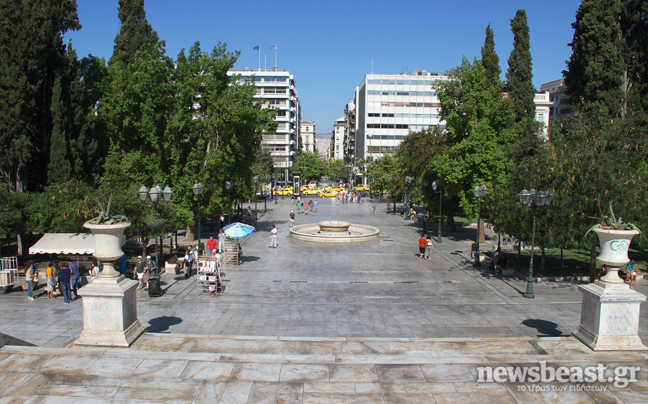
pixel 422 243
pixel 211 245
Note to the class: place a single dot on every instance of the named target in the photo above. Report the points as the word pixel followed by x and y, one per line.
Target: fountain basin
pixel 334 226
pixel 344 233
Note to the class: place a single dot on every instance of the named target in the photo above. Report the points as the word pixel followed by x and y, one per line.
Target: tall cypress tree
pixel 135 34
pixel 519 86
pixel 490 60
pixel 607 69
pixel 31 52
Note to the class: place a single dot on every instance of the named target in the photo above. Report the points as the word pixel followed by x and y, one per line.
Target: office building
pixel 307 135
pixel 277 87
pixel 390 106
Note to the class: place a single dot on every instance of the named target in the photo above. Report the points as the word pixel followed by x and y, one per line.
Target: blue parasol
pixel 238 230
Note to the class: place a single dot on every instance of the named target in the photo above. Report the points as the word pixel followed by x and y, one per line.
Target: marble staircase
pixel 227 369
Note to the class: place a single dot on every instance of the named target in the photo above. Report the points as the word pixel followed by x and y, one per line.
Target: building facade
pixel 337 139
pixel 350 132
pixel 277 88
pixel 389 107
pixel 323 145
pixel 560 107
pixel 307 136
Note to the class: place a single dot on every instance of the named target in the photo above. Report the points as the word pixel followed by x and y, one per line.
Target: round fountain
pixel 333 231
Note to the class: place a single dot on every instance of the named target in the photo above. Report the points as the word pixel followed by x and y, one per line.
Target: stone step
pixel 230 369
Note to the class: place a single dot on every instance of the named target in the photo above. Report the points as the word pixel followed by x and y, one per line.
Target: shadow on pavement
pixel 161 324
pixel 544 327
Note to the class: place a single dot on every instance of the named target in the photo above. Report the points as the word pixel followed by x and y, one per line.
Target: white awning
pixel 64 243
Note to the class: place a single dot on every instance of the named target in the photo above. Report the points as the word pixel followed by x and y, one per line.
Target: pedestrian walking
pixel 374 207
pixel 65 279
pixel 75 278
pixel 31 273
pixel 315 205
pixel 422 244
pixel 292 218
pixel 221 240
pixel 428 246
pixel 139 271
pixel 51 281
pixel 306 208
pixel 273 237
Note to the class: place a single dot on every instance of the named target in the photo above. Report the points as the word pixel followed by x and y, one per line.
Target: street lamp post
pixel 265 205
pixel 533 199
pixel 274 191
pixel 228 186
pixel 154 194
pixel 440 192
pixel 408 180
pixel 198 190
pixel 256 211
pixel 393 178
pixel 480 192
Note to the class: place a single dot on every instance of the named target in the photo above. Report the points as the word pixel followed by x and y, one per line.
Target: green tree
pixel 607 68
pixel 490 60
pixel 380 170
pixel 76 151
pixel 135 33
pixel 31 52
pixel 479 130
pixel 316 167
pixel 519 84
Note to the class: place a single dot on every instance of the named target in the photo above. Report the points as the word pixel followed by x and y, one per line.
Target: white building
pixel 337 139
pixel 543 107
pixel 307 134
pixel 323 145
pixel 389 107
pixel 277 87
pixel 558 97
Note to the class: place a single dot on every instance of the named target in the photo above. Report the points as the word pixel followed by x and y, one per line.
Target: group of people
pixel 425 246
pixel 349 197
pixel 629 275
pixel 65 276
pixel 144 270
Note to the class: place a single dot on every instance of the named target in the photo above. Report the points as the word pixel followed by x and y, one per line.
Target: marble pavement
pixel 304 323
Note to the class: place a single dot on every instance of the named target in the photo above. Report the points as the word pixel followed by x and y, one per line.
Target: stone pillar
pixel 610 317
pixel 610 310
pixel 109 302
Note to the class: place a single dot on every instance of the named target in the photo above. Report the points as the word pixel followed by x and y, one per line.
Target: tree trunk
pixel 519 249
pixel 19 245
pixel 542 260
pixel 451 222
pixel 562 258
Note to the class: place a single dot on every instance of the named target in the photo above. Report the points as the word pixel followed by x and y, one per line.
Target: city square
pixel 313 323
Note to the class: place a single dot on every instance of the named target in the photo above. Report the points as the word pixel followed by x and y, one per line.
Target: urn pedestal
pixel 109 302
pixel 610 311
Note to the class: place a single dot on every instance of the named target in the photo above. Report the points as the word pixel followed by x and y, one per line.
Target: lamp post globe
pixel 533 199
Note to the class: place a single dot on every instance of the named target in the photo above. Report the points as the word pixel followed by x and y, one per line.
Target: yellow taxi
pixel 361 188
pixel 313 191
pixel 285 191
pixel 329 194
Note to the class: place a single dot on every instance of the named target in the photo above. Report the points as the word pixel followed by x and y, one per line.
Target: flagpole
pixel 259 57
pixel 275 57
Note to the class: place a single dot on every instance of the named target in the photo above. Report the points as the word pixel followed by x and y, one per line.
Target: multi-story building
pixel 307 134
pixel 350 132
pixel 561 107
pixel 389 107
pixel 543 105
pixel 323 145
pixel 277 87
pixel 337 139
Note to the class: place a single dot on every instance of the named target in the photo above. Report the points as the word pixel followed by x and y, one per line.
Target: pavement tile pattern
pixel 320 323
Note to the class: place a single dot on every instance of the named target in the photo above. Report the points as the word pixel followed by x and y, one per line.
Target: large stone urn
pixel 109 302
pixel 610 309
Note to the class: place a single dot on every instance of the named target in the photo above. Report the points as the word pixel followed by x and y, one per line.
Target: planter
pixel 108 241
pixel 109 302
pixel 614 251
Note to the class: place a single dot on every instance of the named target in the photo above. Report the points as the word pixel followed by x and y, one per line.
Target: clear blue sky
pixel 329 46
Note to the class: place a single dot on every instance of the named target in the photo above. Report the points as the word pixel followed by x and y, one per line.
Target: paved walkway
pixel 373 307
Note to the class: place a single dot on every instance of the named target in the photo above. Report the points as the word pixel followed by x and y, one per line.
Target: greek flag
pixel 256 48
pixel 273 47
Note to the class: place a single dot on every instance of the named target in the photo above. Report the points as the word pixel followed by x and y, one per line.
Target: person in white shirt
pixel 273 237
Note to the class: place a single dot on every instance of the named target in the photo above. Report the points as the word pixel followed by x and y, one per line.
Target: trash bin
pixel 154 288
